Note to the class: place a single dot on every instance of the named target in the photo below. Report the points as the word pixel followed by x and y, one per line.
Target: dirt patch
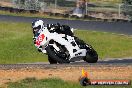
pixel 6 4
pixel 67 73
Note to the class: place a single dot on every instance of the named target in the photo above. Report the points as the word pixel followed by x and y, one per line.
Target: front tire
pixel 52 54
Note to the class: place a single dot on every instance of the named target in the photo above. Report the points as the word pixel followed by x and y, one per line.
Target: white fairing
pixel 45 36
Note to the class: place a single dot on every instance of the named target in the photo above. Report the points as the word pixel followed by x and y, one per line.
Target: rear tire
pixel 51 60
pixel 91 56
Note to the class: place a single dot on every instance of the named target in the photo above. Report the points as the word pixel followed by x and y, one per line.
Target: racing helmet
pixel 37 25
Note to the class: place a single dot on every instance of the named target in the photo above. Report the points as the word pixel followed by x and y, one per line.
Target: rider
pixel 37 28
pixel 39 25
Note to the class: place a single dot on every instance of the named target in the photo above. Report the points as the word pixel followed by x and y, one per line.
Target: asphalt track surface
pixel 46 65
pixel 114 27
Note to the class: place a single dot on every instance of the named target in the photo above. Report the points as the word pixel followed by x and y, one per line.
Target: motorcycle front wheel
pixel 55 56
pixel 51 60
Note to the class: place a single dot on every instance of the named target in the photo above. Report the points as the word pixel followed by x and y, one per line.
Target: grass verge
pixel 16 44
pixel 108 45
pixel 52 83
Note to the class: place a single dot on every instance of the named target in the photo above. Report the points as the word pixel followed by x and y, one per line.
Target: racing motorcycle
pixel 61 46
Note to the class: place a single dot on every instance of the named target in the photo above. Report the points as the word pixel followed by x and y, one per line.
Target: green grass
pixel 108 45
pixel 16 45
pixel 52 83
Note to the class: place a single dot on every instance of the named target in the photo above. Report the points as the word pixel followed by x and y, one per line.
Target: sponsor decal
pixel 78 54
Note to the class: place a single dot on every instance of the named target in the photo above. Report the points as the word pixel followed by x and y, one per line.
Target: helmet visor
pixel 36 29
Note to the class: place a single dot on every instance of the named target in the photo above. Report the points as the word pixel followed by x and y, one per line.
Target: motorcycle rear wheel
pixel 91 56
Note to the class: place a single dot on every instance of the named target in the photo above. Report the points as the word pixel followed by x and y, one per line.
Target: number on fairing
pixel 40 39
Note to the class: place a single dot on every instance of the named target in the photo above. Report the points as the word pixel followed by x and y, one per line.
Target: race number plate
pixel 40 39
